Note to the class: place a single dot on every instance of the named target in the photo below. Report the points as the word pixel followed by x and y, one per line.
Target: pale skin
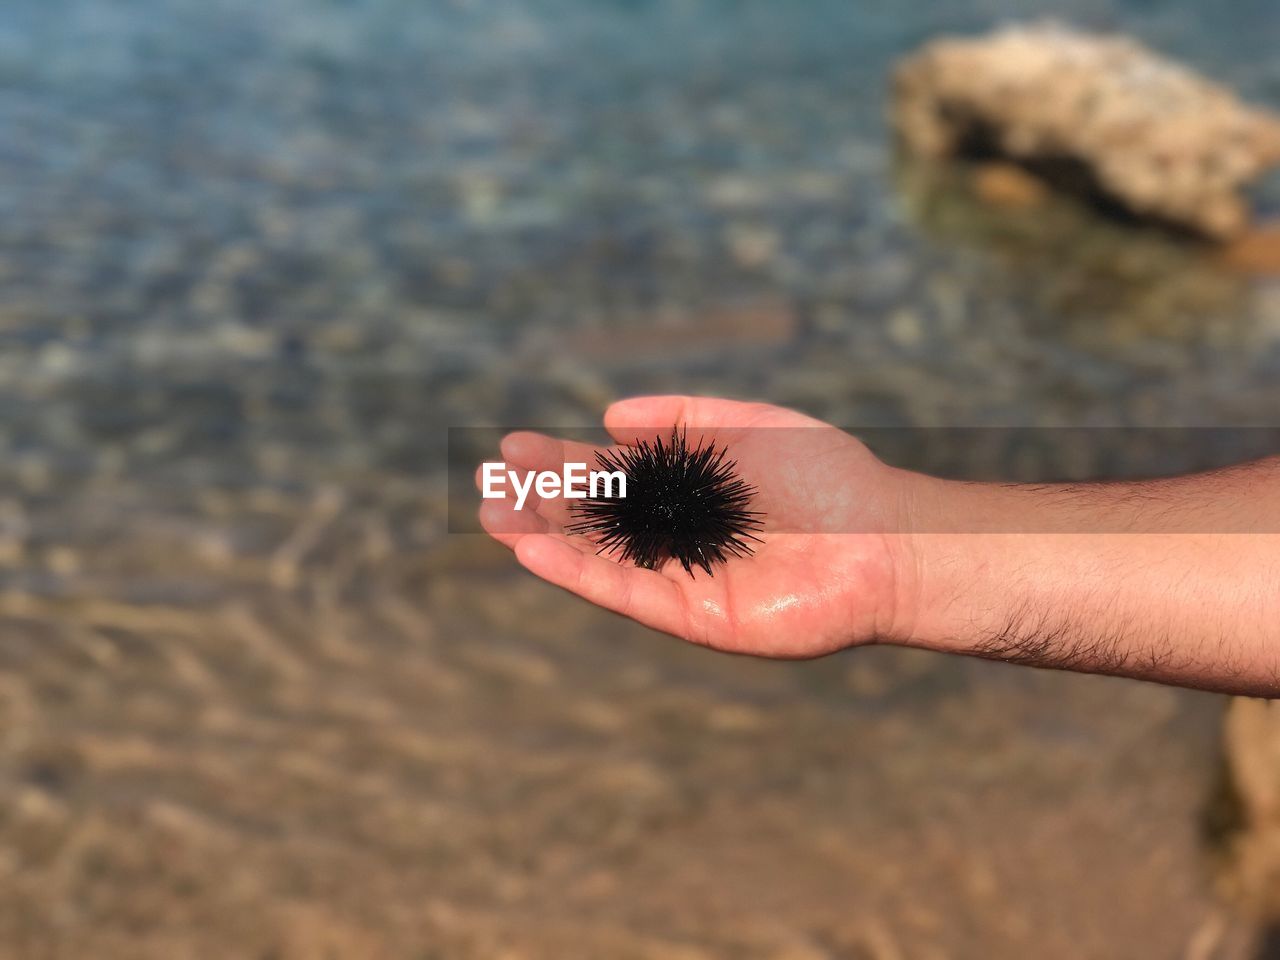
pixel 1165 580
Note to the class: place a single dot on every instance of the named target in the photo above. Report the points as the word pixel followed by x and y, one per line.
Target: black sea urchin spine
pixel 689 504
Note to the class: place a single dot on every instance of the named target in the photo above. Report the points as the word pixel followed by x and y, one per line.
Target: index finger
pixel 640 418
pixel 537 452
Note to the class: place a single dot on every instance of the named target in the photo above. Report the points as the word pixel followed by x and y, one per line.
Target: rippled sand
pixel 439 758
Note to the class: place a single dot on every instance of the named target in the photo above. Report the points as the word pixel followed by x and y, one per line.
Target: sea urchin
pixel 685 503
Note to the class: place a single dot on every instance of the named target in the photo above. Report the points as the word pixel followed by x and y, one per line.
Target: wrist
pixel 976 558
pixel 940 574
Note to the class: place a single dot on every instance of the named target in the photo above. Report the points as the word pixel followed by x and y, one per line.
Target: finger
pixel 641 418
pixel 643 595
pixel 532 504
pixel 480 472
pixel 502 521
pixel 536 452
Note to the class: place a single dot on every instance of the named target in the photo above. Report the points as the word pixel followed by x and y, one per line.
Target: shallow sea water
pixel 256 701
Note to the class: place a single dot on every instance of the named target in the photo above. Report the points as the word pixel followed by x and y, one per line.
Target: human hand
pixel 1170 580
pixel 831 571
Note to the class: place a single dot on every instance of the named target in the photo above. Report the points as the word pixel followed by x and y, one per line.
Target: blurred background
pixel 255 701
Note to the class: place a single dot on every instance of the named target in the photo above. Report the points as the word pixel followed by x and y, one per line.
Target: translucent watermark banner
pixel 820 479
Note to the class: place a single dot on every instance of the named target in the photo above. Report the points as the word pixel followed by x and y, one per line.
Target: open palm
pixel 825 575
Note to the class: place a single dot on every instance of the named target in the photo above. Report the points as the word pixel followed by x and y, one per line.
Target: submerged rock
pixel 1081 278
pixel 1008 185
pixel 1257 251
pixel 1099 114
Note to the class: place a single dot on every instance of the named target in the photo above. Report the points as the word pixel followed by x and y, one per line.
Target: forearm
pixel 1173 580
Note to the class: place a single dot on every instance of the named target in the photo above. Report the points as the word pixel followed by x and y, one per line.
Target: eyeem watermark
pixel 575 483
pixel 1062 455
